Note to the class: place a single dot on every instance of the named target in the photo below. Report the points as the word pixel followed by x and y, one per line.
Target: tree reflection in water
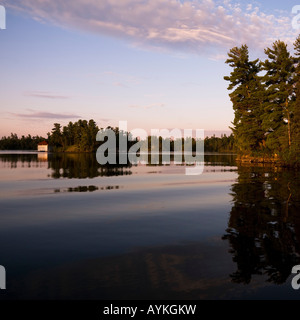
pixel 264 223
pixel 66 165
pixel 82 166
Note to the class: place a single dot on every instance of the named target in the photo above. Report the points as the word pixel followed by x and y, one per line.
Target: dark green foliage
pixel 13 142
pixel 247 97
pixel 295 126
pixel 223 144
pixel 278 82
pixel 266 102
pixel 79 136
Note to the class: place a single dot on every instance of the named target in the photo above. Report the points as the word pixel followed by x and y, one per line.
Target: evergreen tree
pixel 92 132
pixel 278 81
pixel 296 105
pixel 56 136
pixel 247 98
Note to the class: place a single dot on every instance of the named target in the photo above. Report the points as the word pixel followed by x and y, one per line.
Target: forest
pixel 77 136
pixel 13 142
pixel 266 100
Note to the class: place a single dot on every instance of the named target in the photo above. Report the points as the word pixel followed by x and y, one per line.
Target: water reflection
pixel 220 159
pixel 70 166
pixel 82 166
pixel 14 161
pixel 85 165
pixel 86 189
pixel 166 272
pixel 43 156
pixel 153 237
pixel 79 189
pixel 264 224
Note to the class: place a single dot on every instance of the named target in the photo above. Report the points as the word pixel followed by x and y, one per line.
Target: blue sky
pixel 156 64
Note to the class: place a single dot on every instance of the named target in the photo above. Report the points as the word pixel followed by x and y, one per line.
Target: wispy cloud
pixel 44 95
pixel 193 26
pixel 104 120
pixel 45 115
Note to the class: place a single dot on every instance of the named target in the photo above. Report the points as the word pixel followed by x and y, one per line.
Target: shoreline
pixel 267 160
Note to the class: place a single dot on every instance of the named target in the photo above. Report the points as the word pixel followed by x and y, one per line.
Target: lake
pixel 72 229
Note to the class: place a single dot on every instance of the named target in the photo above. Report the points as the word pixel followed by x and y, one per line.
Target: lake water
pixel 71 229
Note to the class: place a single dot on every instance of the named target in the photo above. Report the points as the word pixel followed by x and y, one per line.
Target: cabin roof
pixel 43 143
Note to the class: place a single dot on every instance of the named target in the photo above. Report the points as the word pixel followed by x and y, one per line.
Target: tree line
pixel 13 142
pixel 219 144
pixel 266 102
pixel 80 136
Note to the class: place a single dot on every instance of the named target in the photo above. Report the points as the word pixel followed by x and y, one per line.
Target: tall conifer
pixel 296 105
pixel 278 81
pixel 247 98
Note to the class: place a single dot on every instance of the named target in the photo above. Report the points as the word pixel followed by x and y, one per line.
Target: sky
pixel 154 63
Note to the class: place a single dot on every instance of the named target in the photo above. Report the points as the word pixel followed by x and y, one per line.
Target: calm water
pixel 71 229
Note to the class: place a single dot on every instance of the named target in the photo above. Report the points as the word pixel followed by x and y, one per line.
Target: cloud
pixel 45 115
pixel 44 94
pixel 192 26
pixel 104 120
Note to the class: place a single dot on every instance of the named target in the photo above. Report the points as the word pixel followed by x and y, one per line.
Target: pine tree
pixel 247 98
pixel 56 135
pixel 278 81
pixel 296 104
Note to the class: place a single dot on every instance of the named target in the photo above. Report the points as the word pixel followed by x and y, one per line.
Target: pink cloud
pixel 45 115
pixel 193 26
pixel 44 94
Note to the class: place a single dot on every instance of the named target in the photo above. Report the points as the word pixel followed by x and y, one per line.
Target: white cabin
pixel 43 146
